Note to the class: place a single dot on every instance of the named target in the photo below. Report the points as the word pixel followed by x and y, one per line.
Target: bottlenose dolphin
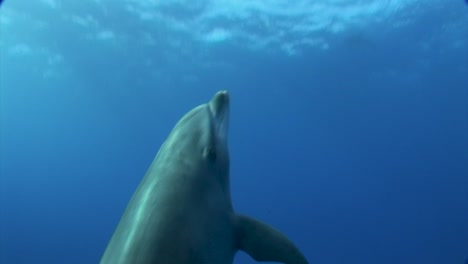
pixel 181 213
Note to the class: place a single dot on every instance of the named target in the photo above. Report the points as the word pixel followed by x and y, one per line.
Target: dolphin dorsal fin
pixel 264 243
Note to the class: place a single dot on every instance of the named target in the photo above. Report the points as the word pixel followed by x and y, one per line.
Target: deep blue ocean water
pixel 349 120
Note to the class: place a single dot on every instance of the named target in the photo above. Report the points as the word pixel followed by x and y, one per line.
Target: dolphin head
pixel 198 143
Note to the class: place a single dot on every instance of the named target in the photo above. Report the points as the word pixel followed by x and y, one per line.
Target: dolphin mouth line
pixel 219 108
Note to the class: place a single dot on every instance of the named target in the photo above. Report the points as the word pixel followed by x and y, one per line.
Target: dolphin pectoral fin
pixel 264 243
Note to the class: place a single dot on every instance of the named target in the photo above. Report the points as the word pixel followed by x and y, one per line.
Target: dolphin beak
pixel 219 107
pixel 220 103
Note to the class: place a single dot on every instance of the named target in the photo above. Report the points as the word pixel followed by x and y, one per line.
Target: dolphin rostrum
pixel 181 213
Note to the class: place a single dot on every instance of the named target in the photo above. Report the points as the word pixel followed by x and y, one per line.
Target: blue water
pixel 349 121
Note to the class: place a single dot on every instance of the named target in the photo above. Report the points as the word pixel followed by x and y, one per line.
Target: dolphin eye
pixel 209 153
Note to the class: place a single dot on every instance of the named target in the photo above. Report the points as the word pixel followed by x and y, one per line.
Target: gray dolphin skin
pixel 181 213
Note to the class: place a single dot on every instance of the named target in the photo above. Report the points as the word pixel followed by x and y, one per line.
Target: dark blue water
pixel 349 122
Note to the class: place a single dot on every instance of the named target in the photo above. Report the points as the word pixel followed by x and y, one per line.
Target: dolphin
pixel 181 212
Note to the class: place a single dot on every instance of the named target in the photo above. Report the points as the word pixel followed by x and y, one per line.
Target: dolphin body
pixel 181 213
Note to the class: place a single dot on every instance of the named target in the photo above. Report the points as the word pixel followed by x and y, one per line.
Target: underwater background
pixel 349 120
